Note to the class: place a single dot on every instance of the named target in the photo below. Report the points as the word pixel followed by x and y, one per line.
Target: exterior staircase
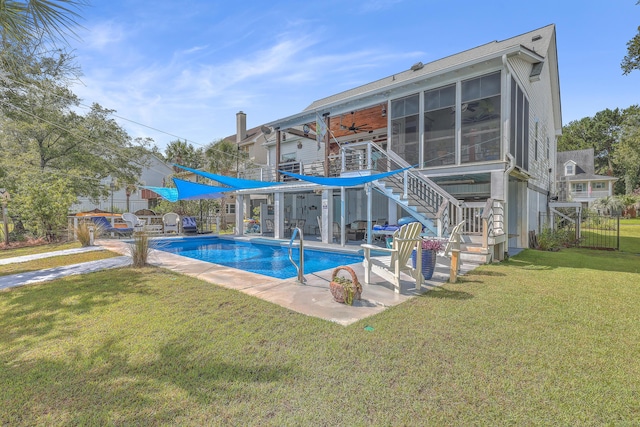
pixel 423 199
pixel 437 210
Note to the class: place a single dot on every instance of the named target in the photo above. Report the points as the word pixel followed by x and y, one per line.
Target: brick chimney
pixel 241 126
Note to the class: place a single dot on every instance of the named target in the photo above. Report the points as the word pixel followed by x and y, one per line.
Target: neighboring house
pixel 156 174
pixel 576 180
pixel 479 128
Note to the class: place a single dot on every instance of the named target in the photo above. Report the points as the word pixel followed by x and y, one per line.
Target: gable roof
pixel 533 46
pixel 584 160
pixel 536 42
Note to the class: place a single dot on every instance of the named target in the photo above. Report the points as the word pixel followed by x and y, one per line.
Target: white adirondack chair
pixel 390 266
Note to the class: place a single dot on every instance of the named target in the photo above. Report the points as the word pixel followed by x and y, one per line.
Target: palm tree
pixel 181 153
pixel 223 158
pixel 32 19
pixel 608 205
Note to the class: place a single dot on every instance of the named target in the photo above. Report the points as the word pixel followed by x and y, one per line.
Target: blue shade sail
pixel 169 194
pixel 346 181
pixel 236 183
pixel 188 190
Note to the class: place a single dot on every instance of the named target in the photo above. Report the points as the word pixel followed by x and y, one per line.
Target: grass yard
pixel 630 235
pixel 54 261
pixel 38 249
pixel 547 338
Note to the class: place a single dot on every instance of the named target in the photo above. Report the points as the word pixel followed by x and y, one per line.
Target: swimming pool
pixel 270 260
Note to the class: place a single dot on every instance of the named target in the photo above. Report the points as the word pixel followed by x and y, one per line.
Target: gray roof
pixel 536 41
pixel 585 169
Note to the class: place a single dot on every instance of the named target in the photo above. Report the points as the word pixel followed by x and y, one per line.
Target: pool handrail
pixel 299 269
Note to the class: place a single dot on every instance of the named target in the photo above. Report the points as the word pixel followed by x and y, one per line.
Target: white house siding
pixel 540 109
pixel 538 93
pixel 155 175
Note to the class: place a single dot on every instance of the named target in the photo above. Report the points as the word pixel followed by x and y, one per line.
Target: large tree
pixel 47 138
pixel 627 155
pixel 632 60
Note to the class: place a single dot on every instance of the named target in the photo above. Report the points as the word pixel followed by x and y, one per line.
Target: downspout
pixel 512 161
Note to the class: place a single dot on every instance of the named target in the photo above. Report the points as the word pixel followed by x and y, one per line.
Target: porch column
pixel 277 159
pixel 239 214
pixel 327 216
pixel 392 211
pixel 367 190
pixel 327 148
pixel 342 217
pixel 247 207
pixel 278 212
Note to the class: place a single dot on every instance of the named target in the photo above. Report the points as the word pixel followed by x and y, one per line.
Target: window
pixel 598 186
pixel 230 208
pixel 404 127
pixel 569 169
pixel 519 126
pixel 480 112
pixel 578 187
pixel 288 157
pixel 440 126
pixel 548 147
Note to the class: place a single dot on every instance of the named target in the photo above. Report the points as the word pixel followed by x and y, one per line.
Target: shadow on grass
pixel 443 293
pixel 486 273
pixel 105 382
pixel 35 310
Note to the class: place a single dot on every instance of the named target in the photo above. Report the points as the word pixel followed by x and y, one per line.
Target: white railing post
pixel 405 188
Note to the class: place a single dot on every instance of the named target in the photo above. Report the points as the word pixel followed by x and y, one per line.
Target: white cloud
pixel 103 35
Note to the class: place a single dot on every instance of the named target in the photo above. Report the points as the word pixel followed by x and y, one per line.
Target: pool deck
pixel 312 298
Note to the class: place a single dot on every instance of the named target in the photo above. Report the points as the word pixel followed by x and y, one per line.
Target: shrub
pixel 83 234
pixel 553 240
pixel 140 249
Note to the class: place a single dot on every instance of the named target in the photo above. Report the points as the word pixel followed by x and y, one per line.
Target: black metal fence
pixel 588 230
pixel 599 232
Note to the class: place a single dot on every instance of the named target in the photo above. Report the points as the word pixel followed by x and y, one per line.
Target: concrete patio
pixel 313 298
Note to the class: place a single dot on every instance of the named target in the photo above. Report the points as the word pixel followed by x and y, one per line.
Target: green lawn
pixel 547 338
pixel 630 235
pixel 30 250
pixel 54 261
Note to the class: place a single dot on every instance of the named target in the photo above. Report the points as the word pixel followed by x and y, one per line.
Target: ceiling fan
pixel 353 128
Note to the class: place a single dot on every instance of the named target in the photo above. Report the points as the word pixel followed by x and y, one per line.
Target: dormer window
pixel 570 168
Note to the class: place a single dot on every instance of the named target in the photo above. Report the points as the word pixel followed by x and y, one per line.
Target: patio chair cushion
pixel 189 224
pixel 104 225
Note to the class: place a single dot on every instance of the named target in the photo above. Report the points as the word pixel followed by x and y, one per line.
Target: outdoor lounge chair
pixel 389 267
pixel 189 225
pixel 133 221
pixel 170 222
pixel 268 226
pixel 455 238
pixel 105 226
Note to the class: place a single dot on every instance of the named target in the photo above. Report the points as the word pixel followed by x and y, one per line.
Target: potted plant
pixel 344 289
pixel 430 247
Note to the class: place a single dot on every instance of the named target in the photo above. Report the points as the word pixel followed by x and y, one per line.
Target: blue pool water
pixel 269 260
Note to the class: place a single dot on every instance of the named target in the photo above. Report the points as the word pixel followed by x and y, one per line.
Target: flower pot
pixel 345 292
pixel 428 263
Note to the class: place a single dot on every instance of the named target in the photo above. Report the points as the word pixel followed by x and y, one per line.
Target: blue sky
pixel 184 69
